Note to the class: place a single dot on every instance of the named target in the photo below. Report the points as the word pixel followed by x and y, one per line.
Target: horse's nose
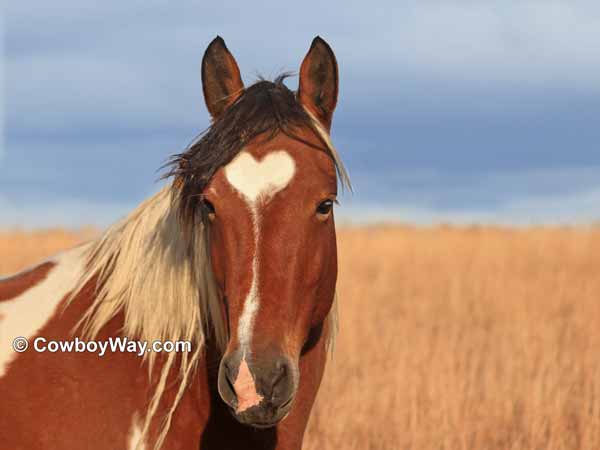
pixel 274 379
pixel 259 391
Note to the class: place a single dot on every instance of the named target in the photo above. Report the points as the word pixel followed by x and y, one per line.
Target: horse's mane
pixel 154 265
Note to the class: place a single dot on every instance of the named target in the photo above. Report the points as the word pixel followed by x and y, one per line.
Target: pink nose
pixel 245 388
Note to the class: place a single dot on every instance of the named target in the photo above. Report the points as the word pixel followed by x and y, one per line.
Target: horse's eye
pixel 324 208
pixel 209 209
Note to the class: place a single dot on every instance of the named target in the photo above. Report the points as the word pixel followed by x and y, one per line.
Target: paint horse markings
pixel 255 181
pixel 28 312
pixel 135 435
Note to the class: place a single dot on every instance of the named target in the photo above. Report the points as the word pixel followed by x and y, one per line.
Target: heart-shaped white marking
pixel 254 179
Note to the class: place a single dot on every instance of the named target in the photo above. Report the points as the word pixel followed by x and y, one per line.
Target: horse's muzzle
pixel 259 392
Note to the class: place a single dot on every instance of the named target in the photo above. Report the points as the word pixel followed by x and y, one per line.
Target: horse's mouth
pixel 260 425
pixel 263 424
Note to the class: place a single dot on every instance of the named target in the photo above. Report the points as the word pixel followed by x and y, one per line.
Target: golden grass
pixel 470 338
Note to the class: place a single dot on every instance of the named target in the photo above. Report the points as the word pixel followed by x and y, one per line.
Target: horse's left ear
pixel 318 90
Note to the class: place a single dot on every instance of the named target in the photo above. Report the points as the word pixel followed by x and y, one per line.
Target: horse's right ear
pixel 221 80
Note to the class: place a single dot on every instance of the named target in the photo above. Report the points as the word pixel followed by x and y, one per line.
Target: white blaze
pixel 256 181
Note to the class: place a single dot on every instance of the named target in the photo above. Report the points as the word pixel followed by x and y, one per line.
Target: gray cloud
pixel 64 212
pixel 568 209
pixel 445 107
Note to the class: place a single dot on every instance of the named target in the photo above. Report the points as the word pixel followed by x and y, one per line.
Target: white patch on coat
pixel 26 314
pixel 257 181
pixel 135 435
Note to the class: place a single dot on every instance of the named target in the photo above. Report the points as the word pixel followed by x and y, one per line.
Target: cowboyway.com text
pixel 112 344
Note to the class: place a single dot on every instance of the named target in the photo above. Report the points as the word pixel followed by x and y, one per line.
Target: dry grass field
pixel 451 338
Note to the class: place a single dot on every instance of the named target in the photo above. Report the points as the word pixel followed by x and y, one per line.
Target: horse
pixel 235 256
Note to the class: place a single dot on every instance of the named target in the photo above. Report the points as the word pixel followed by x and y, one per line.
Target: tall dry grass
pixel 472 338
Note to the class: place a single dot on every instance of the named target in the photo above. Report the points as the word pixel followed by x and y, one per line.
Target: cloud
pixel 60 212
pixel 568 195
pixel 448 109
pixel 530 42
pixel 2 89
pixel 573 209
pixel 84 64
pixel 439 189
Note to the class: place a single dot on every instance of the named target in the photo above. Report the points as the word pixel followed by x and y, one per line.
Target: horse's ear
pixel 318 90
pixel 221 80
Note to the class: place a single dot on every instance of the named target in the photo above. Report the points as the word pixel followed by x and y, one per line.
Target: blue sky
pixel 453 111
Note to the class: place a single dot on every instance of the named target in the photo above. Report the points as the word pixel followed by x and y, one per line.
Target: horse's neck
pixel 34 304
pixel 30 302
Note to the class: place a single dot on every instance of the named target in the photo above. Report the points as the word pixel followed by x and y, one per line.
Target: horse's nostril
pixel 281 381
pixel 279 376
pixel 226 383
pixel 229 382
pixel 282 365
pixel 228 370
